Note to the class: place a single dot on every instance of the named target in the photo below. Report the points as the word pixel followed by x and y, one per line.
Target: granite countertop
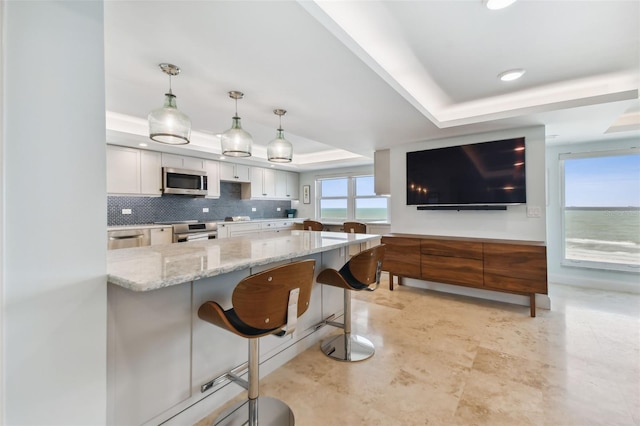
pixel 158 266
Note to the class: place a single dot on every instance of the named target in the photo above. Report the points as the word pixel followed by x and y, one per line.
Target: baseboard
pixel 595 283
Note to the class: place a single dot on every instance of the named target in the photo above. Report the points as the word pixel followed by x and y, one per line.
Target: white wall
pixel 309 178
pixel 54 343
pixel 583 277
pixel 512 224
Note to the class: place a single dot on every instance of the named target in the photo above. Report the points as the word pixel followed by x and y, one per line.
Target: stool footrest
pixel 226 377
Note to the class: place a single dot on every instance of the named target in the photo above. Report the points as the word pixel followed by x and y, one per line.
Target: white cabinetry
pixel 287 185
pixel 277 226
pixel 183 162
pixel 133 171
pixel 162 235
pixel 238 229
pixel 263 184
pixel 213 178
pixel 235 172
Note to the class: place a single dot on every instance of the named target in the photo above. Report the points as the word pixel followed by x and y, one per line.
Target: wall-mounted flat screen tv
pixel 487 173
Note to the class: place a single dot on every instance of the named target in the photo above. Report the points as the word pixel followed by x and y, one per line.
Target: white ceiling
pixel 357 76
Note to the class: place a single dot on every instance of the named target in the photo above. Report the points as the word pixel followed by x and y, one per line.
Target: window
pixel 350 198
pixel 601 209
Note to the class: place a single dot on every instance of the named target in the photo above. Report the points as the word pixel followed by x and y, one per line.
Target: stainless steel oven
pixel 183 232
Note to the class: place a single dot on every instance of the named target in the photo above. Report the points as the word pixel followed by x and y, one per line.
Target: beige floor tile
pixel 450 360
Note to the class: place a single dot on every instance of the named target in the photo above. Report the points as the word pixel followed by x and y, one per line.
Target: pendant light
pixel 236 142
pixel 279 150
pixel 167 124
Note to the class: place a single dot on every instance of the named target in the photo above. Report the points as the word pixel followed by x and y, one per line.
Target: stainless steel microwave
pixel 183 181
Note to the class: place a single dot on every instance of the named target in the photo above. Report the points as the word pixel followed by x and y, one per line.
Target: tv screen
pixel 487 173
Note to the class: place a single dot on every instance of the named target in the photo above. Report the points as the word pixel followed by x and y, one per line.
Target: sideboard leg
pixel 390 281
pixel 532 304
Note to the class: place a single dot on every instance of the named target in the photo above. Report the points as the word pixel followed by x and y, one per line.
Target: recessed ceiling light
pixel 511 75
pixel 498 4
pixel 142 144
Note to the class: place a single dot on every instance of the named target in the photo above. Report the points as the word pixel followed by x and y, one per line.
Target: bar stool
pixel 264 303
pixel 312 225
pixel 357 274
pixel 355 228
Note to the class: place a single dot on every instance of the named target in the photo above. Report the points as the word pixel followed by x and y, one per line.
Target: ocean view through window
pixel 350 198
pixel 601 217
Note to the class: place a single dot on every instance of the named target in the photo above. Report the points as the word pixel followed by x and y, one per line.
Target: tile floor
pixel 452 360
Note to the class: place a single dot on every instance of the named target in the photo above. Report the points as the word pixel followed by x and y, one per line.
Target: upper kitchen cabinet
pixel 133 171
pixel 287 185
pixel 235 172
pixel 263 184
pixel 183 162
pixel 213 178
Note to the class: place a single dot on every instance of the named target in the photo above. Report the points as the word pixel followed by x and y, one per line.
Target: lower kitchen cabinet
pixel 162 235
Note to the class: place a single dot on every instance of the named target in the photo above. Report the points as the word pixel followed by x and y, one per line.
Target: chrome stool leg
pixel 347 346
pixel 256 410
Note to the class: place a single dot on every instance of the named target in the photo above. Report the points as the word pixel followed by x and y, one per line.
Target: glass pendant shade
pixel 236 142
pixel 169 125
pixel 280 150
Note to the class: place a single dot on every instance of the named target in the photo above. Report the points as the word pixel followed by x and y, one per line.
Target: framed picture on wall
pixel 306 191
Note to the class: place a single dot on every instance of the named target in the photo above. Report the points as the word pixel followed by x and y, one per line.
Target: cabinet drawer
pixel 516 261
pixel 452 270
pixel 465 249
pixel 499 282
pixel 402 256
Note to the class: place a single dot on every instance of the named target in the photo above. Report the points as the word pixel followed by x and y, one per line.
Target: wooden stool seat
pixel 312 225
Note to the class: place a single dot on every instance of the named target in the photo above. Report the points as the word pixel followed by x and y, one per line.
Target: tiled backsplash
pixel 145 210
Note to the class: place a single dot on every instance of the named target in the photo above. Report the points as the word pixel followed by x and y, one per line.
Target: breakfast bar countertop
pixel 154 267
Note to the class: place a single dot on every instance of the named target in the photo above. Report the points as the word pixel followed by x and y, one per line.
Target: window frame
pixel 587 264
pixel 351 197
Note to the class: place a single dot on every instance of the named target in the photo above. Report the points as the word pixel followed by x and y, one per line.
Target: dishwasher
pixel 126 238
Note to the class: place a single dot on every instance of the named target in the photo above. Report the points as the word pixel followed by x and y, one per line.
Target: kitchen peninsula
pixel 160 354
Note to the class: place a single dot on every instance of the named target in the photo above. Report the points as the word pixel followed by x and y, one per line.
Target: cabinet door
pixel 227 171
pixel 213 178
pixel 515 267
pixel 243 173
pixel 281 184
pixel 162 235
pixel 235 172
pixel 123 170
pixel 452 270
pixel 182 162
pixel 293 186
pixel 402 256
pixel 150 173
pixel 257 183
pixel 269 183
pixel 172 160
pixel 193 163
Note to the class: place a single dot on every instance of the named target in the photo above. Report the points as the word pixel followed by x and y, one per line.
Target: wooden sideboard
pixel 509 266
